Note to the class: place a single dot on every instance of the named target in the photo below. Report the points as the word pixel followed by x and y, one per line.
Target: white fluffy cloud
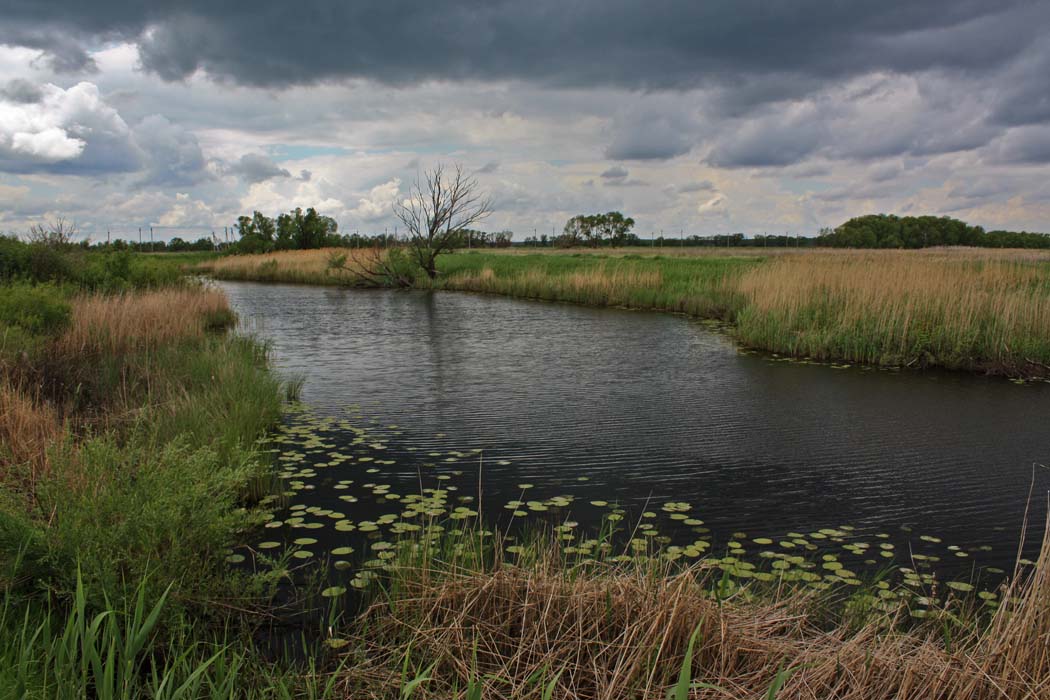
pixel 379 201
pixel 43 129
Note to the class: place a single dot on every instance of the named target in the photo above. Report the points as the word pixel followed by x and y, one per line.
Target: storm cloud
pixel 802 112
pixel 660 44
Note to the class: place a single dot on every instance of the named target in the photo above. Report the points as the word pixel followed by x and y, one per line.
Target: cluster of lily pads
pixel 352 493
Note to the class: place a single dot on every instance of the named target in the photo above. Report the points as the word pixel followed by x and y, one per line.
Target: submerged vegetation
pixel 966 309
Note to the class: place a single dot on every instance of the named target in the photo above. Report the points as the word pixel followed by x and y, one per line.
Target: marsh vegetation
pixel 162 518
pixel 966 309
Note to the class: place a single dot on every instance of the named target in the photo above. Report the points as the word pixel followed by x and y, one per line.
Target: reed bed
pixel 601 286
pixel 28 427
pixel 290 266
pixel 118 324
pixel 981 311
pixel 544 630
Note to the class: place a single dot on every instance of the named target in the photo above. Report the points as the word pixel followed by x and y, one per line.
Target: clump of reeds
pixel 959 310
pixel 28 426
pixel 293 266
pixel 117 324
pixel 603 632
pixel 600 285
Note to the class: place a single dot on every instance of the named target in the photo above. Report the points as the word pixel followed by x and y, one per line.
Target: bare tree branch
pixel 437 208
pixel 55 234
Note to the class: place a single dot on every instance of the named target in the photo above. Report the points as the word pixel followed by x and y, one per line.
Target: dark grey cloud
pixel 663 44
pixel 64 51
pixel 774 140
pixel 700 186
pixel 254 167
pixel 173 156
pixel 1022 96
pixel 1024 145
pixel 21 92
pixel 654 128
pixel 490 167
pixel 616 176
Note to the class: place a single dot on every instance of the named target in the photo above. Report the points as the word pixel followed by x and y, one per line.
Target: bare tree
pixel 437 208
pixel 376 266
pixel 55 234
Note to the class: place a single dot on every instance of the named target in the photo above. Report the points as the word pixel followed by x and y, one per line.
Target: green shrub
pixel 37 309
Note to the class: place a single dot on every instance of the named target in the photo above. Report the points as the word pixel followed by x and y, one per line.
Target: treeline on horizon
pixel 307 229
pixel 890 231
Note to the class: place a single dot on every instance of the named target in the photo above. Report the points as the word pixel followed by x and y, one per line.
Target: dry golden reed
pixel 293 266
pixel 116 324
pixel 101 325
pixel 976 309
pixel 28 427
pixel 600 285
pixel 619 634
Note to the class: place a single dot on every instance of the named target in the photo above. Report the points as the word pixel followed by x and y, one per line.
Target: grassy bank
pixel 127 441
pixel 967 309
pixel 128 421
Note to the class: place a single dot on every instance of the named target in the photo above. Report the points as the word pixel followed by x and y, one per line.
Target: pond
pixel 603 407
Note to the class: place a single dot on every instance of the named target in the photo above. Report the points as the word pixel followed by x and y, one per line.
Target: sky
pixel 693 116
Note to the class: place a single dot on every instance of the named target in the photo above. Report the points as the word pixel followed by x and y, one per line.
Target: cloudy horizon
pixel 694 118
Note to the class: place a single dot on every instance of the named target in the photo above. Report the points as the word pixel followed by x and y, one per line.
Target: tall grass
pixel 28 427
pixel 475 627
pixel 975 311
pixel 73 651
pixel 105 324
pixel 134 453
pixel 292 266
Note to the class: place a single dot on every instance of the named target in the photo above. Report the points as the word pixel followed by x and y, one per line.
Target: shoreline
pixel 807 326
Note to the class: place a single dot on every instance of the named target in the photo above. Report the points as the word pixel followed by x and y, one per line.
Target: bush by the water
pixel 104 270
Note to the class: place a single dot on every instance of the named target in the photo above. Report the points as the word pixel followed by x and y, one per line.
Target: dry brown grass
pixel 601 285
pixel 141 320
pixel 118 329
pixel 292 266
pixel 978 309
pixel 28 427
pixel 623 634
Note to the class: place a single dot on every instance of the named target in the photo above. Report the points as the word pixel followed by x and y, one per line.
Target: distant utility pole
pixel 151 246
pixel 140 238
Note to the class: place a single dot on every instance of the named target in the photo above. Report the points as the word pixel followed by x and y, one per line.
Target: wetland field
pixel 716 475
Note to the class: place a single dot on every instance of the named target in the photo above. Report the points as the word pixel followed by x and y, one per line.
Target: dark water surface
pixel 654 407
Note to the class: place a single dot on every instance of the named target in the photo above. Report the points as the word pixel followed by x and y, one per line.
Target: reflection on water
pixel 652 408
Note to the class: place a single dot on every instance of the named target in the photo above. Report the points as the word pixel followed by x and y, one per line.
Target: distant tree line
pixel 611 228
pixel 890 231
pixel 614 229
pixel 295 230
pixel 470 238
